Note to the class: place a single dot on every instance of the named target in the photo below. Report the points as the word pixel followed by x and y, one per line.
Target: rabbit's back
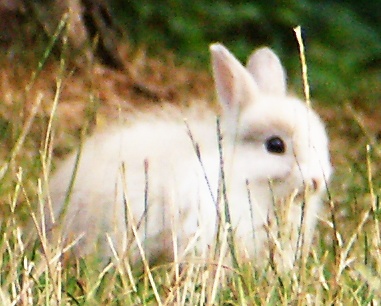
pixel 152 167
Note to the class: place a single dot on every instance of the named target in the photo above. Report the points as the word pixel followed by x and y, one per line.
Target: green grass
pixel 343 266
pixel 343 38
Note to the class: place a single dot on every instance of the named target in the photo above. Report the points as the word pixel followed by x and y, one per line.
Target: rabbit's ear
pixel 235 86
pixel 267 70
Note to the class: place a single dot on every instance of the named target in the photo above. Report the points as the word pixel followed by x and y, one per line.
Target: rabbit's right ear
pixel 235 86
pixel 267 70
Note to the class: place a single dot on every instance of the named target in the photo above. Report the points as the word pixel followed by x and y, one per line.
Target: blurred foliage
pixel 343 38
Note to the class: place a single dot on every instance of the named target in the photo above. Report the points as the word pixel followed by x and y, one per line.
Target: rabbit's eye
pixel 275 145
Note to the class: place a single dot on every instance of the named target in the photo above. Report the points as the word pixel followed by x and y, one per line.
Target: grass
pixel 46 111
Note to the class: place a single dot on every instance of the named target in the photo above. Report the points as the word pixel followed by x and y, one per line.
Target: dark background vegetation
pixel 342 38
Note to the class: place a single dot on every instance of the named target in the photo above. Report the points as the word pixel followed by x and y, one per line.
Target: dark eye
pixel 275 145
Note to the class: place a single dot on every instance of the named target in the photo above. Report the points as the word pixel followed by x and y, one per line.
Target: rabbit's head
pixel 277 139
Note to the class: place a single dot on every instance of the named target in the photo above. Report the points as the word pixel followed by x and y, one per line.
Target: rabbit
pixel 156 187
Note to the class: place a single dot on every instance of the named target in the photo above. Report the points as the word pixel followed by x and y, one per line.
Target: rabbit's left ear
pixel 266 68
pixel 235 85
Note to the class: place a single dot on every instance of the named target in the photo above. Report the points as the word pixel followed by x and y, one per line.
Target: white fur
pixel 110 180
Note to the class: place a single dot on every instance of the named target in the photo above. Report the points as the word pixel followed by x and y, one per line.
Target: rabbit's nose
pixel 315 184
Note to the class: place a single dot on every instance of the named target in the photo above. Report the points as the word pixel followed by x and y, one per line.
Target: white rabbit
pixel 147 174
